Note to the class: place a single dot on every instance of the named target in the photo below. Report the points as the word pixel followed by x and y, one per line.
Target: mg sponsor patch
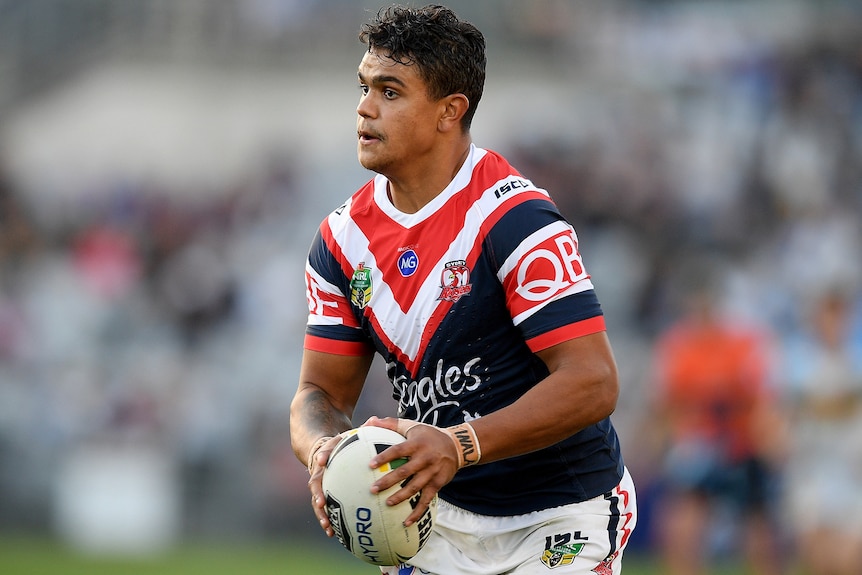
pixel 408 262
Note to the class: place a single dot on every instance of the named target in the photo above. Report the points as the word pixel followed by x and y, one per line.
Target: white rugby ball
pixel 364 524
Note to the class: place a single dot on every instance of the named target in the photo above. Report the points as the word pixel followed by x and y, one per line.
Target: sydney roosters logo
pixel 455 281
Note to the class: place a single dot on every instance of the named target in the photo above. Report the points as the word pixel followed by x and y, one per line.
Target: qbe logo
pixel 549 268
pixel 408 262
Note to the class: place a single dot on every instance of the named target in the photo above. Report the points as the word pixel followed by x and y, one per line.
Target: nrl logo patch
pixel 360 286
pixel 560 551
pixel 561 555
pixel 455 281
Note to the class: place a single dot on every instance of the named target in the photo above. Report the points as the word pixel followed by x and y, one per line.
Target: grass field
pixel 29 556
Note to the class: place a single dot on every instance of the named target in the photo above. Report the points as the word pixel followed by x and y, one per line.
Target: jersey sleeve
pixel 548 291
pixel 332 326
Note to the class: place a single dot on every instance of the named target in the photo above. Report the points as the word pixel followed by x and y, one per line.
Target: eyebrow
pixel 381 79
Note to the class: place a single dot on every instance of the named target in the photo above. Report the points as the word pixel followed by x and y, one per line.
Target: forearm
pixel 329 387
pixel 312 416
pixel 574 396
pixel 539 419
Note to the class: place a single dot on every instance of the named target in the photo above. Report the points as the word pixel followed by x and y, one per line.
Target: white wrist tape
pixel 466 444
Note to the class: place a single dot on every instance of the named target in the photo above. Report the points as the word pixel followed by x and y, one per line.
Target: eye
pixel 389 93
pixel 363 88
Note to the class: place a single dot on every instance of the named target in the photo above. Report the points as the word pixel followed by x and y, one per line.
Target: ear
pixel 454 108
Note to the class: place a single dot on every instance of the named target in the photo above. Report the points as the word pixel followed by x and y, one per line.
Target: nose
pixel 365 107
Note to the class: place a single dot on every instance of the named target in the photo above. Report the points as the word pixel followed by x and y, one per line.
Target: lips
pixel 368 135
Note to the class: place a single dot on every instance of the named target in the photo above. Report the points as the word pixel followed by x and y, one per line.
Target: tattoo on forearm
pixel 319 413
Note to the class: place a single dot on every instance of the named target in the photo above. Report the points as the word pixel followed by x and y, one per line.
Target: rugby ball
pixel 364 524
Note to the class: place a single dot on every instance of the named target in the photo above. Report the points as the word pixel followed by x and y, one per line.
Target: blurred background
pixel 164 164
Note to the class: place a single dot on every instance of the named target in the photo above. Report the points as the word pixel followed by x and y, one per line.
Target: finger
pixel 388 481
pixel 408 491
pixel 318 499
pixel 391 453
pixel 405 425
pixel 322 455
pixel 385 422
pixel 421 507
pixel 318 504
pixel 409 486
pixel 329 446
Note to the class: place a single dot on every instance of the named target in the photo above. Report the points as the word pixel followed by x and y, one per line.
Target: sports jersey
pixel 456 298
pixel 713 378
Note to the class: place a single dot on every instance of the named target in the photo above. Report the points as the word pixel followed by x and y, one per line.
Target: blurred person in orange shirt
pixel 719 430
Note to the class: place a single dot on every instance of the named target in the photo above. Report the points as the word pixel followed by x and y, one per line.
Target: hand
pixel 432 463
pixel 315 483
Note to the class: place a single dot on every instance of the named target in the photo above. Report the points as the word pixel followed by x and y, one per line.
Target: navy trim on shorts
pixel 614 522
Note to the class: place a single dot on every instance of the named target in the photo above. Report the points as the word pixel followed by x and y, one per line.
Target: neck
pixel 413 191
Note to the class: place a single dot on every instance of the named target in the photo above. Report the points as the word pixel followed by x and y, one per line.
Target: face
pixel 397 121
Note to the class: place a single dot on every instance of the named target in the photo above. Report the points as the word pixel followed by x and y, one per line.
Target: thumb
pixel 395 424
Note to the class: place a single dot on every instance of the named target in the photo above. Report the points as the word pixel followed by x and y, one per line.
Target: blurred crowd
pixel 717 192
pixel 720 212
pixel 153 322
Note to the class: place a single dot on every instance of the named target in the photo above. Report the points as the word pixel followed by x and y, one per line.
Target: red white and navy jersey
pixel 457 297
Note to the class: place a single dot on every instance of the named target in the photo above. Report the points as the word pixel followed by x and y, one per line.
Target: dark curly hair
pixel 449 52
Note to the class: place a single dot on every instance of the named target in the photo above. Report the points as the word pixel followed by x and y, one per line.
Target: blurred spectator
pixel 18 236
pixel 107 260
pixel 196 286
pixel 823 365
pixel 20 244
pixel 713 402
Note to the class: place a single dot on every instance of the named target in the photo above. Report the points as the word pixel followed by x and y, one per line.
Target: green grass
pixel 33 556
pixel 25 556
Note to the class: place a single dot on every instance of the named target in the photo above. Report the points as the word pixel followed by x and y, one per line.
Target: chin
pixel 372 164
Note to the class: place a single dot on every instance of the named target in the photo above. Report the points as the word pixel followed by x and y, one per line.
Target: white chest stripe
pixel 405 329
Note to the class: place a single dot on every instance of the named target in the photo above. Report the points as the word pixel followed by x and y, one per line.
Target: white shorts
pixel 586 538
